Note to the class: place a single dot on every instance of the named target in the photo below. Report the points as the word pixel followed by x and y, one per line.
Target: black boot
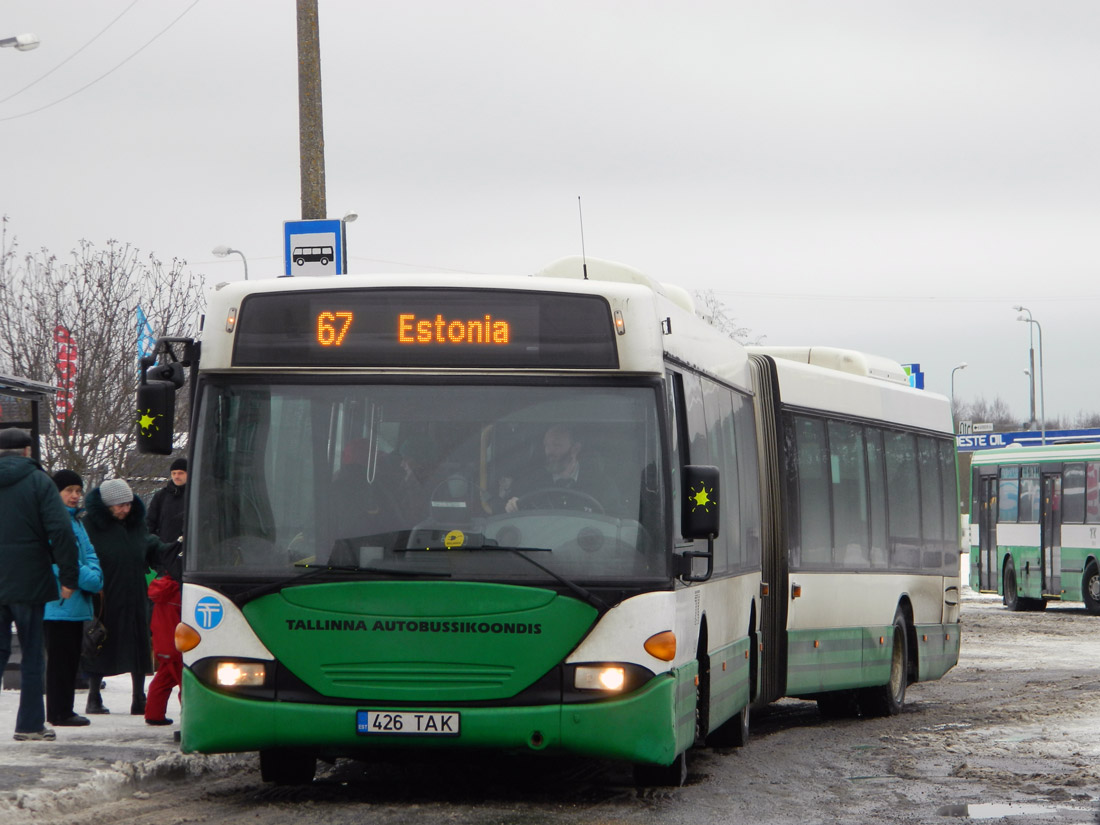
pixel 95 700
pixel 137 690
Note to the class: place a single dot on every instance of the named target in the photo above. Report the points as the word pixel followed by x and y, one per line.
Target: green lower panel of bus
pixel 651 725
pixel 854 657
pixel 837 658
pixel 937 649
pixel 1027 568
pixel 730 680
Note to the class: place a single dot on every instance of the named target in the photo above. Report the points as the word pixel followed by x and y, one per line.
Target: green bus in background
pixel 1034 524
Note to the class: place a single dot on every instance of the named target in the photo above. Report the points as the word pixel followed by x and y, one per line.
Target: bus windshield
pixel 442 480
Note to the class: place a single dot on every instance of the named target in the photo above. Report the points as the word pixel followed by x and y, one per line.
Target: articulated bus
pixel 1033 530
pixel 555 514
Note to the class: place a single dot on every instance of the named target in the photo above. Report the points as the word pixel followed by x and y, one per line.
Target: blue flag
pixel 146 341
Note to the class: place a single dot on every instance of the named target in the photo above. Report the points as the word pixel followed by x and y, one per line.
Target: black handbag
pixel 95 635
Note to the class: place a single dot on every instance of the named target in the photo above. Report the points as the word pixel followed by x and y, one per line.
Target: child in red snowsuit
pixel 164 592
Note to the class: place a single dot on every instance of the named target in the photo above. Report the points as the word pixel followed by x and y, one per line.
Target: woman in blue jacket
pixel 64 620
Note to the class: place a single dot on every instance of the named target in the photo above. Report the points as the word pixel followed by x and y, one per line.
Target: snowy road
pixel 1010 735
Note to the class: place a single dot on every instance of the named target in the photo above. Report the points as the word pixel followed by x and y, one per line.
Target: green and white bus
pixel 377 555
pixel 1035 513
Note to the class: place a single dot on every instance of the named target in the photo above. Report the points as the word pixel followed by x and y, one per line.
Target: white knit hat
pixel 115 491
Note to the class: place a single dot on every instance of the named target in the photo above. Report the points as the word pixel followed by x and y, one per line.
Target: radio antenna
pixel 584 260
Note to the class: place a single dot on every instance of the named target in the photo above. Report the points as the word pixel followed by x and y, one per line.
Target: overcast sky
pixel 886 176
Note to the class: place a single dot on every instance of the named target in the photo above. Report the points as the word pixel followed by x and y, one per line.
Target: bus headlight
pixel 599 677
pixel 240 674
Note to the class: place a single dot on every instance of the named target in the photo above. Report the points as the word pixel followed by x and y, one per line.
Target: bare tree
pixel 95 296
pixel 996 413
pixel 713 310
pixel 1086 420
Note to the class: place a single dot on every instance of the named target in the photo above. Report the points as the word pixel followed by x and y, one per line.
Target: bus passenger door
pixel 1051 539
pixel 988 574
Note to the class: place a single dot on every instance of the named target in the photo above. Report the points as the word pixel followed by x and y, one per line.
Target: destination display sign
pixel 425 328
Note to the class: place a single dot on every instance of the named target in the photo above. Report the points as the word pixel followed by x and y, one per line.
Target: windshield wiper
pixel 587 595
pixel 271 587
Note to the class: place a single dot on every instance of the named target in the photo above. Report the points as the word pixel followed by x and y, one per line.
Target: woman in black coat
pixel 115 521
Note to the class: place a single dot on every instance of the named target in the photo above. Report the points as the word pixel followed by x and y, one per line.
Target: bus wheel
pixel 1091 587
pixel 733 733
pixel 888 699
pixel 673 775
pixel 1012 598
pixel 287 766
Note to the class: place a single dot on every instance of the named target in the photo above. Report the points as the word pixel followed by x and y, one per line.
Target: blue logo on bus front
pixel 208 612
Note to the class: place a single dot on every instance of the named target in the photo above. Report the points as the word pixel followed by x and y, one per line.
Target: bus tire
pixel 287 766
pixel 1090 588
pixel 888 699
pixel 673 775
pixel 733 733
pixel 1011 596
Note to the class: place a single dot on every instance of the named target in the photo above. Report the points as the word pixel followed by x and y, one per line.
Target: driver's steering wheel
pixel 554 492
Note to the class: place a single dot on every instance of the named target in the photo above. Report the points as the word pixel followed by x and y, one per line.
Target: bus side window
pixel 902 490
pixel 876 483
pixel 849 496
pixel 931 489
pixel 811 538
pixel 1092 493
pixel 1073 493
pixel 1008 494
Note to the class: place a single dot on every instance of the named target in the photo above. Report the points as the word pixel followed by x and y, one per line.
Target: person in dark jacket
pixel 165 516
pixel 65 618
pixel 35 533
pixel 115 523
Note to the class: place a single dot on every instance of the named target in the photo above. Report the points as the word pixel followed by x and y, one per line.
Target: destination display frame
pixel 416 328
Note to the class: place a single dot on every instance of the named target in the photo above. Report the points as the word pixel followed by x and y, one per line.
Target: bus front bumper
pixel 651 725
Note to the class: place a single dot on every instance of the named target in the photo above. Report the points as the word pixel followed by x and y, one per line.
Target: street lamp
pixel 222 251
pixel 961 366
pixel 1031 370
pixel 21 42
pixel 1042 375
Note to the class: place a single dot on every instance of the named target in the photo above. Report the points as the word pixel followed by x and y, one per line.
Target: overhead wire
pixel 108 72
pixel 71 56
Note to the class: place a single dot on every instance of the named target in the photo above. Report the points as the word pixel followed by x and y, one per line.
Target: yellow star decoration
pixel 701 499
pixel 148 422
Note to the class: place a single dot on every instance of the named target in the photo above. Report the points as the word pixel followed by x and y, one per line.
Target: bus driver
pixel 567 481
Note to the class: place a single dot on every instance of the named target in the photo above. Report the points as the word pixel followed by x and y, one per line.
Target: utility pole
pixel 311 131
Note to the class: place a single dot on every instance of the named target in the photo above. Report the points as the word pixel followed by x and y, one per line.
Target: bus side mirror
pixel 156 414
pixel 699 507
pixel 699 518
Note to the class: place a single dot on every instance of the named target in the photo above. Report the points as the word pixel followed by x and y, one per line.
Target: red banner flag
pixel 66 373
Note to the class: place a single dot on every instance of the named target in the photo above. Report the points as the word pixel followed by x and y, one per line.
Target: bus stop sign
pixel 314 248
